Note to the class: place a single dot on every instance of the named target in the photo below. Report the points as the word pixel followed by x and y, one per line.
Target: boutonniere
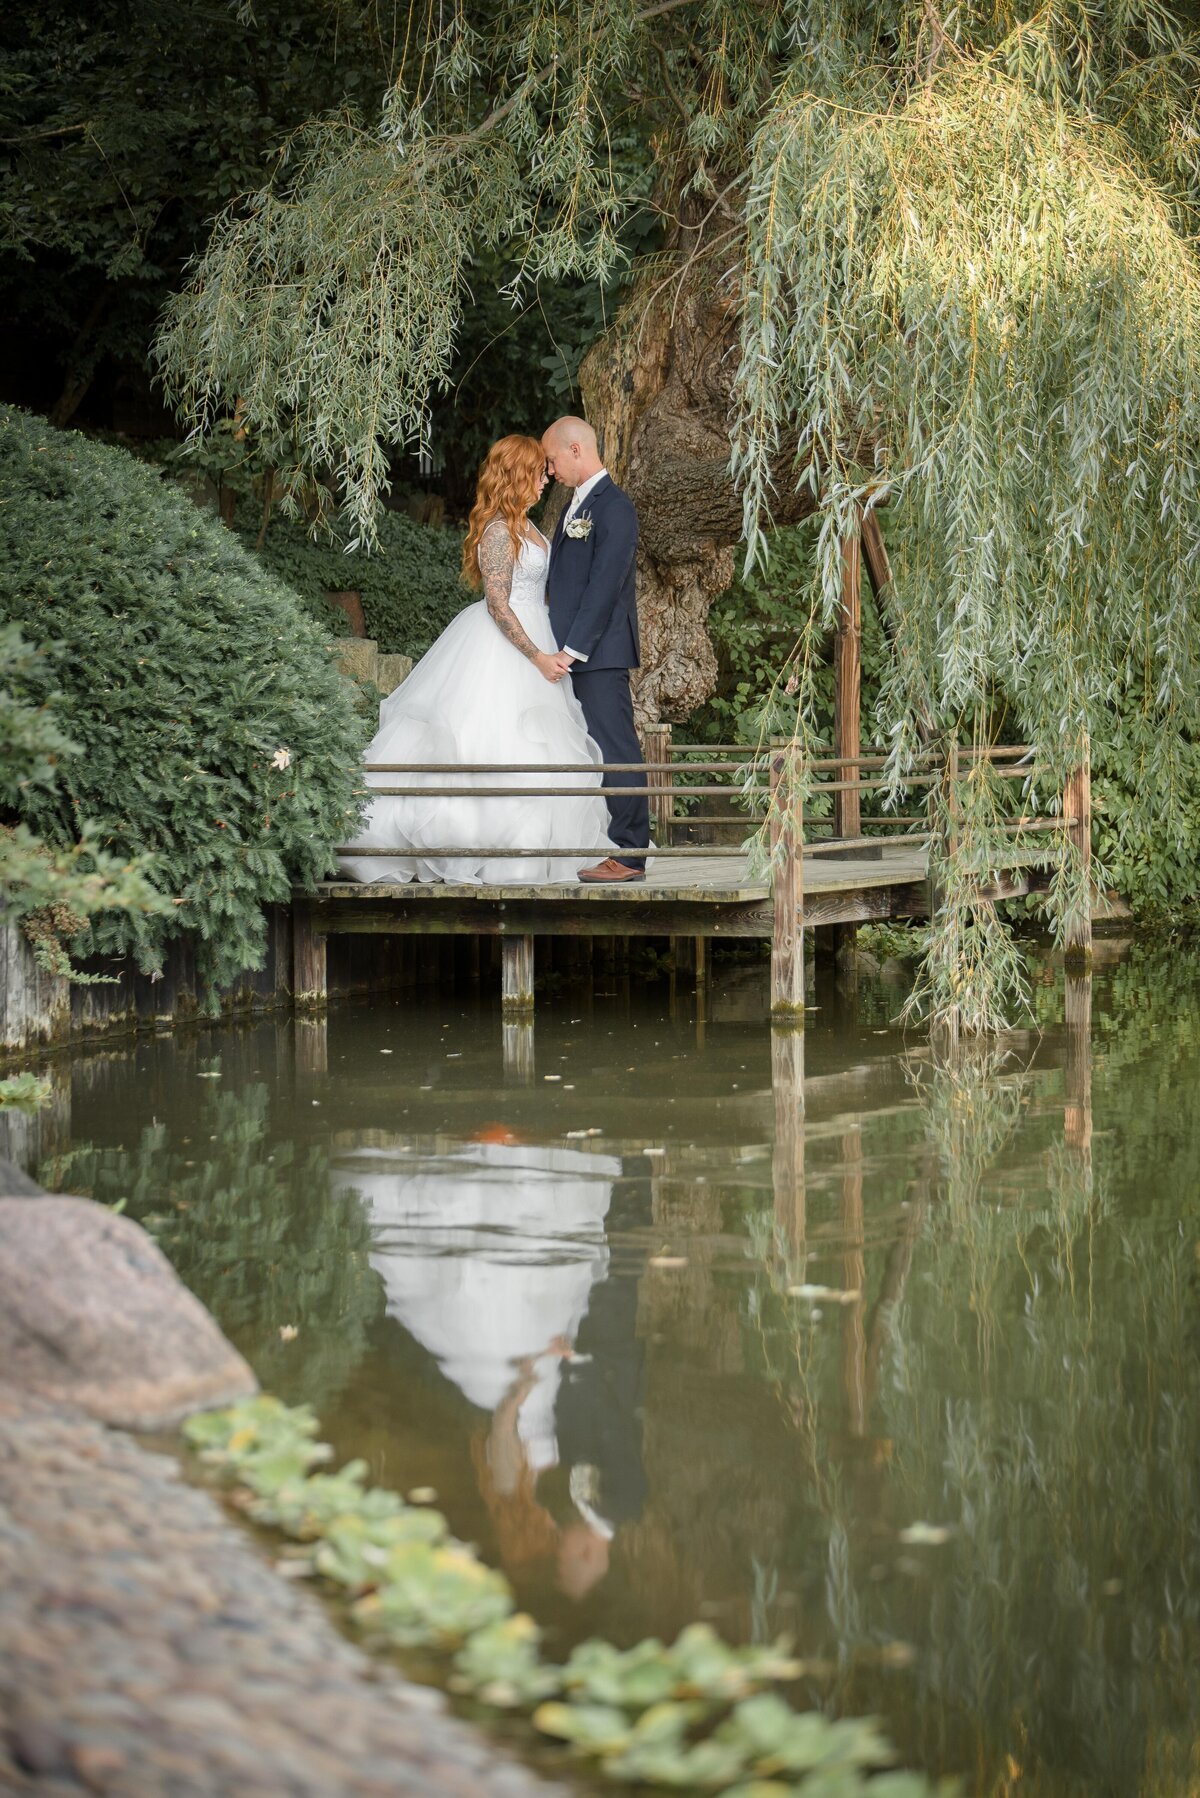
pixel 580 527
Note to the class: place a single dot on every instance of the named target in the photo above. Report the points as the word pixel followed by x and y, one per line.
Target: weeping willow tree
pixel 937 258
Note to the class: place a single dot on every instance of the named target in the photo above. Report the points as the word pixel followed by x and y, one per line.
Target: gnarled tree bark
pixel 658 388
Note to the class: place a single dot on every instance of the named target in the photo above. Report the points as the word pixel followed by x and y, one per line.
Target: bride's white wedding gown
pixel 475 698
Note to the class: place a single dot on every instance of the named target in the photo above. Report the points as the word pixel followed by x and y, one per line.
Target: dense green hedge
pixel 181 669
pixel 410 585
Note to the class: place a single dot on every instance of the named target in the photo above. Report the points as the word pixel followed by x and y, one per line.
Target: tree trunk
pixel 80 364
pixel 658 388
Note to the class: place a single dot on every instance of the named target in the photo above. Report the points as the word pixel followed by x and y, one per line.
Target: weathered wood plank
pixel 543 917
pixel 1077 806
pixel 787 888
pixel 310 966
pixel 847 698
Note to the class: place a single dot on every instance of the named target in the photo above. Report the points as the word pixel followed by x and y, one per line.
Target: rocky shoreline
pixel 148 1646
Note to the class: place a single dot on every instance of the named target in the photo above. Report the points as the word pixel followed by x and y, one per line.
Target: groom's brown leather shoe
pixel 611 870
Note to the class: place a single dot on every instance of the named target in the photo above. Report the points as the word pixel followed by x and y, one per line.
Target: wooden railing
pixel 770 791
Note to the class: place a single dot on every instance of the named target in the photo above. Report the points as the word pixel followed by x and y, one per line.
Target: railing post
pixel 516 973
pixel 847 699
pixel 847 712
pixel 1077 806
pixel 787 888
pixel 656 745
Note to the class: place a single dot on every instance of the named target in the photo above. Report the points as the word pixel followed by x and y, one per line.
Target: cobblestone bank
pixel 147 1647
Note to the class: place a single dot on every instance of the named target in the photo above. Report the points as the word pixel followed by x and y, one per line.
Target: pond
pixel 906 1369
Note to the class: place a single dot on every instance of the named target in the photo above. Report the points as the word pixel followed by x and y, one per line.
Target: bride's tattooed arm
pixel 496 564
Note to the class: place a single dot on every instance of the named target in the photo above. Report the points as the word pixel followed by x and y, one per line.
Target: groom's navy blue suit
pixel 593 612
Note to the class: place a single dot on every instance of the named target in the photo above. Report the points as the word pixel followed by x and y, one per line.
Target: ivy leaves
pixel 691 1717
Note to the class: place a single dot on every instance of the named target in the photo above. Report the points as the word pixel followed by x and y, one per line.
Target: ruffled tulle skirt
pixel 474 699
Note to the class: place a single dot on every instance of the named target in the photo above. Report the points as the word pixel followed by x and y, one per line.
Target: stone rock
pixel 93 1315
pixel 357 657
pixel 392 671
pixel 349 601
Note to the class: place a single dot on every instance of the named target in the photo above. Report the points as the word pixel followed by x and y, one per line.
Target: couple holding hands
pixel 535 673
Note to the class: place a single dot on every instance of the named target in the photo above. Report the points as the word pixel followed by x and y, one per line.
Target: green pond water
pixel 906 1369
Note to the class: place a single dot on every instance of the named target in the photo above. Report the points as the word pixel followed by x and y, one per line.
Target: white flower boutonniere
pixel 580 527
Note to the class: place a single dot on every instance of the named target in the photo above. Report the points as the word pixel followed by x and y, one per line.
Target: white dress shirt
pixel 581 493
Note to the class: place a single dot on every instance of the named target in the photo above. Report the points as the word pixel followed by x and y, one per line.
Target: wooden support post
pixel 847 712
pixel 1077 805
pixel 847 701
pixel 310 962
pixel 683 954
pixel 944 1030
pixel 787 888
pixel 656 744
pixel 516 973
pixel 700 953
pixel 879 569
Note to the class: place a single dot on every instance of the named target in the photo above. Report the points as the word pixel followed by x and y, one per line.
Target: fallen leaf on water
pixel 925 1535
pixel 668 1261
pixel 422 1495
pixel 288 1332
pixel 833 1295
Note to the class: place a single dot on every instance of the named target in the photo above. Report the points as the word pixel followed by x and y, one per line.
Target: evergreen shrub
pixel 214 732
pixel 409 583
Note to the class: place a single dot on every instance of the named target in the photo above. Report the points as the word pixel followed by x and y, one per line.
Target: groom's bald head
pixel 572 454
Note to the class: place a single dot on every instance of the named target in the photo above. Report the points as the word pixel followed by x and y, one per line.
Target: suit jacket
pixel 591 586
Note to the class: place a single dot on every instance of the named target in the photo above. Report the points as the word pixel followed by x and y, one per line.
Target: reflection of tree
pixel 1027 1377
pixel 254 1232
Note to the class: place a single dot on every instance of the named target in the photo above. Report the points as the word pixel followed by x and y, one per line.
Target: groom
pixel 593 614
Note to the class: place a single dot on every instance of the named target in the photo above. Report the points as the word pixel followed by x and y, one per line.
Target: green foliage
pixel 214 733
pixel 51 891
pixel 125 127
pixel 24 1092
pixel 693 1716
pixel 251 1230
pixel 965 274
pixel 767 642
pixel 409 582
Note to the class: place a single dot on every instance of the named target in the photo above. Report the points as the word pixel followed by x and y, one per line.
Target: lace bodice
pixel 529 573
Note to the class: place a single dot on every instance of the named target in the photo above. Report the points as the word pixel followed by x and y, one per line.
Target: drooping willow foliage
pixel 969 288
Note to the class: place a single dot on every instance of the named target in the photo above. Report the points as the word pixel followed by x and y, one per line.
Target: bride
pixel 490 690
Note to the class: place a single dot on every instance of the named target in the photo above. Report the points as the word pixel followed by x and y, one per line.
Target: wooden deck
pixel 692 890
pixel 692 896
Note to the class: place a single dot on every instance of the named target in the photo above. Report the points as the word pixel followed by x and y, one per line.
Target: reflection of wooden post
pixel 516 973
pixel 310 978
pixel 787 1157
pixel 312 1046
pixel 854 1279
pixel 656 743
pixel 1077 1111
pixel 1077 805
pixel 518 1042
pixel 787 888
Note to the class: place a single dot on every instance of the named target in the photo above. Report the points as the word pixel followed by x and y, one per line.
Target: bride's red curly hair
pixel 506 488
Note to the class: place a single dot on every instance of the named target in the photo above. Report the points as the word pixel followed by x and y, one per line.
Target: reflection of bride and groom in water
pixel 495 1258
